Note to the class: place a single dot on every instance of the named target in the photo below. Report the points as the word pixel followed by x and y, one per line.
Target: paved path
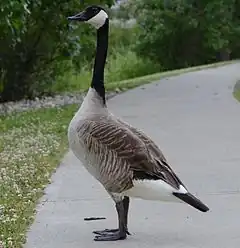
pixel 196 122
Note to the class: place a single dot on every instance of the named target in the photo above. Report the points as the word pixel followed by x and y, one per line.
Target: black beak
pixel 78 17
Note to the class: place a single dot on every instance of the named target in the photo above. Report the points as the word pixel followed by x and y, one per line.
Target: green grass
pixel 80 82
pixel 31 146
pixel 236 90
pixel 132 83
pixel 121 65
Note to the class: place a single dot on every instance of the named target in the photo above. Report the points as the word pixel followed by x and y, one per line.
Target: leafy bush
pixel 35 45
pixel 180 33
pixel 121 37
pixel 128 64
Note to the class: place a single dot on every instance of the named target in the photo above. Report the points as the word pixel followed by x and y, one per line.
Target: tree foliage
pixel 179 33
pixel 36 40
pixel 38 44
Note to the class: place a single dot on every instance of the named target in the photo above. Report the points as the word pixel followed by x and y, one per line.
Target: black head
pixel 93 14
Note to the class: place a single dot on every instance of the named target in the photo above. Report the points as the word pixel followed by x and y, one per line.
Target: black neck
pixel 100 60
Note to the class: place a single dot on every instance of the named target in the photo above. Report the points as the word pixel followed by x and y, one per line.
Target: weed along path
pixel 195 120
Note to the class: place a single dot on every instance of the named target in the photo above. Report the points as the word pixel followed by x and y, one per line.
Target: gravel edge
pixel 47 102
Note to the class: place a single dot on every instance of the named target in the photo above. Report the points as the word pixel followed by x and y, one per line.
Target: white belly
pixel 155 190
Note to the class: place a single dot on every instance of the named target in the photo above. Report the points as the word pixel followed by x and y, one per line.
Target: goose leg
pixel 115 234
pixel 126 208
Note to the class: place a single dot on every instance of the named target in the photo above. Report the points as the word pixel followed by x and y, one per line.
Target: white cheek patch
pixel 98 20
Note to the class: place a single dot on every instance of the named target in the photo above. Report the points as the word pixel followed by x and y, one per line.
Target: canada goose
pixel 122 158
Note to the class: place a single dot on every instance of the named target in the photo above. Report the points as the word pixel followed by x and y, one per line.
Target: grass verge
pixel 32 144
pixel 236 90
pixel 132 83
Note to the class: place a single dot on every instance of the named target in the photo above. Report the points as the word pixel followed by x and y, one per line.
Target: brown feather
pixel 124 153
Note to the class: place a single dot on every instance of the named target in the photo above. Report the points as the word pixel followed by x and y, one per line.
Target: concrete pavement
pixel 196 122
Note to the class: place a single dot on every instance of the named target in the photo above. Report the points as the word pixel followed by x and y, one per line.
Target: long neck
pixel 100 60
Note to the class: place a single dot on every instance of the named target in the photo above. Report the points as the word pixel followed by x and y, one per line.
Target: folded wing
pixel 130 152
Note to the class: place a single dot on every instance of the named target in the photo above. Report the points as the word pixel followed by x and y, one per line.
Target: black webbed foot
pixel 111 236
pixel 106 231
pixel 121 232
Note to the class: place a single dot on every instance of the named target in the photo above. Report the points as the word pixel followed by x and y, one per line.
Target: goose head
pixel 94 15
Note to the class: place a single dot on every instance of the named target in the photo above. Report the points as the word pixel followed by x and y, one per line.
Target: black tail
pixel 191 200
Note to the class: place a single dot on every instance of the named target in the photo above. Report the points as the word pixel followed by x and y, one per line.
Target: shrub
pixel 35 45
pixel 125 65
pixel 185 33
